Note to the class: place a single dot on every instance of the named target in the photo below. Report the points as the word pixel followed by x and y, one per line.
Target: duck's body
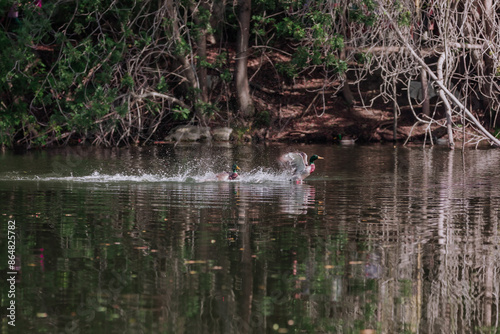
pixel 225 176
pixel 346 140
pixel 302 167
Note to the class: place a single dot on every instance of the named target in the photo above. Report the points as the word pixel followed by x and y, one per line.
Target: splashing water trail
pixel 259 175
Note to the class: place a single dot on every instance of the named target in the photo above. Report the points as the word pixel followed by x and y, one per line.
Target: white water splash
pixel 255 176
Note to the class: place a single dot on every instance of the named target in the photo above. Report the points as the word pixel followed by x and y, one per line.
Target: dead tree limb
pixel 442 95
pixel 494 141
pixel 162 96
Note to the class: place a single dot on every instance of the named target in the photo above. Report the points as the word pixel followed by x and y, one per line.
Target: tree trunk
pixel 202 48
pixel 395 110
pixel 426 110
pixel 440 75
pixel 217 20
pixel 347 94
pixel 188 69
pixel 245 103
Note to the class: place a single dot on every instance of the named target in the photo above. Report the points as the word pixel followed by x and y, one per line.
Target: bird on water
pixel 224 176
pixel 302 167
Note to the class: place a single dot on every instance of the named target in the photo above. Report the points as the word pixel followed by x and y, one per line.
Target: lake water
pixel 380 239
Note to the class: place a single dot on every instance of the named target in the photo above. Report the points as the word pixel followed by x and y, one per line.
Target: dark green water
pixel 378 239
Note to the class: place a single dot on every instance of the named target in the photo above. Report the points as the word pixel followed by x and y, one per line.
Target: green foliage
pixel 260 22
pixel 363 13
pixel 290 28
pixel 181 47
pixel 73 85
pixel 404 19
pixel 128 81
pixel 371 5
pixel 206 108
pixel 162 85
pixel 240 132
pixel 204 18
pixel 309 28
pixel 180 113
pixel 220 60
pixel 405 288
pixel 363 58
pixel 192 307
pixel 336 65
pixel 204 63
pixel 263 119
pixel 77 67
pixel 21 73
pixel 266 306
pixel 287 70
pixel 226 76
pixel 301 57
pixel 336 42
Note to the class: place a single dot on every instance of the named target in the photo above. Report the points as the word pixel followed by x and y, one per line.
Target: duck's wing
pixel 223 176
pixel 298 160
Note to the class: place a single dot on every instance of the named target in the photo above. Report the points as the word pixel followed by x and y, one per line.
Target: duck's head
pixel 314 158
pixel 235 168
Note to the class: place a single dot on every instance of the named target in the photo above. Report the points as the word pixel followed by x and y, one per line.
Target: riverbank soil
pixel 300 110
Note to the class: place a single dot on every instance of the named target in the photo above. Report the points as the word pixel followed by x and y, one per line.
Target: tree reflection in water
pixel 386 240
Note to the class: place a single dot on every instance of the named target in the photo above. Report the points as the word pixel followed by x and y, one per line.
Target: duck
pixel 224 176
pixel 302 167
pixel 346 140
